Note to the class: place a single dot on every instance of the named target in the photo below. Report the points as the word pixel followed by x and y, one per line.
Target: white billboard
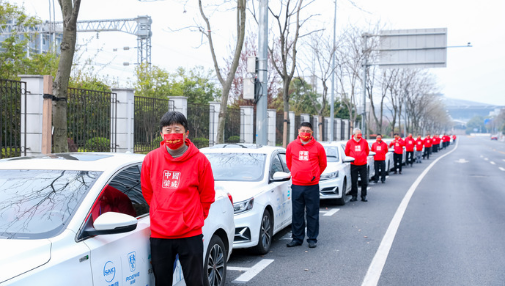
pixel 415 48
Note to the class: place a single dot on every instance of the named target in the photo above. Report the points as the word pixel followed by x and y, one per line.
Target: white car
pixel 81 219
pixel 260 183
pixel 335 181
pixel 369 162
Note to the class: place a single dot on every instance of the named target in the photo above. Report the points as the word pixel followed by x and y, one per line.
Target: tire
pixel 265 235
pixel 341 201
pixel 215 263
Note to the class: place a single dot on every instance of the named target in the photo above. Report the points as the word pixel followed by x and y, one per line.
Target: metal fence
pixel 91 120
pixel 279 127
pixel 147 113
pixel 12 96
pixel 232 123
pixel 199 124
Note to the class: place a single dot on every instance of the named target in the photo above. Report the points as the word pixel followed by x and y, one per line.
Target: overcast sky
pixel 476 73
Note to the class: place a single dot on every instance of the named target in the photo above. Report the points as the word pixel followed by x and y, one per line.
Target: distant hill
pixel 464 110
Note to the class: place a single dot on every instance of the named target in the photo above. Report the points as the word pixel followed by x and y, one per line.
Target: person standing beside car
pixel 419 149
pixel 453 138
pixel 178 184
pixel 381 149
pixel 306 159
pixel 409 148
pixel 427 146
pixel 357 147
pixel 397 144
pixel 436 143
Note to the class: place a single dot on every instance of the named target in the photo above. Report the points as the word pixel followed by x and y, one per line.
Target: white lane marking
pixel 486 159
pixel 492 162
pixel 481 156
pixel 253 271
pixel 368 188
pixel 462 161
pixel 331 212
pixel 237 268
pixel 375 269
pixel 503 160
pixel 503 169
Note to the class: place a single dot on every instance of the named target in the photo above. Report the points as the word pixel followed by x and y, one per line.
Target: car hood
pixel 240 191
pixel 332 167
pixel 20 256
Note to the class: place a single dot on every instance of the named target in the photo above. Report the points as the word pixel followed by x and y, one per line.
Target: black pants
pixel 398 162
pixel 190 250
pixel 410 157
pixel 427 152
pixel 435 148
pixel 305 198
pixel 380 165
pixel 362 171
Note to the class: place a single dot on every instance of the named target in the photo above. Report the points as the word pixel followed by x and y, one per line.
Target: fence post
pixel 32 130
pixel 305 117
pixel 345 124
pixel 180 104
pixel 124 119
pixel 214 109
pixel 271 126
pixel 338 131
pixel 315 126
pixel 292 127
pixel 246 127
pixel 47 115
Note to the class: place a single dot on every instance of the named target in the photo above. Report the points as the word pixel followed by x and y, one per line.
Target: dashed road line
pixel 331 212
pixel 250 273
pixel 492 162
pixel 503 169
pixel 486 159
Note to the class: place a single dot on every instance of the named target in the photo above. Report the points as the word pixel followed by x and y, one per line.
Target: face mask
pixel 378 139
pixel 419 137
pixel 305 136
pixel 174 140
pixel 359 136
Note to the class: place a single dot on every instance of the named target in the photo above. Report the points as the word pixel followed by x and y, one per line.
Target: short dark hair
pixel 395 134
pixel 379 135
pixel 174 117
pixel 306 124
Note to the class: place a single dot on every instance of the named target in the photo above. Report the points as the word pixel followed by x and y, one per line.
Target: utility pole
pixel 332 101
pixel 365 64
pixel 262 104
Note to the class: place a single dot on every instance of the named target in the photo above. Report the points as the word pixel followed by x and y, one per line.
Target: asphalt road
pixel 451 232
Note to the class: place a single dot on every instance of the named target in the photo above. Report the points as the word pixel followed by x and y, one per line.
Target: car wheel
pixel 341 201
pixel 215 262
pixel 266 233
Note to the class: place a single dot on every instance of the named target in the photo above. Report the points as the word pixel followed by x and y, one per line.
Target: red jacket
pixel 358 150
pixel 419 144
pixel 398 145
pixel 381 149
pixel 178 190
pixel 446 138
pixel 410 144
pixel 453 137
pixel 436 140
pixel 428 142
pixel 305 161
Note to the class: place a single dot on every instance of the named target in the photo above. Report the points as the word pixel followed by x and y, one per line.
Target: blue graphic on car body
pixel 109 271
pixel 132 261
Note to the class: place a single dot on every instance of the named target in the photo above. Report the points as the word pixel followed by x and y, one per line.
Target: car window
pixel 332 154
pixel 242 167
pixel 275 166
pixel 282 156
pixel 37 204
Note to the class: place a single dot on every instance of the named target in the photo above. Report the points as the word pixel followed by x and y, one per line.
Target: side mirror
pixel 111 223
pixel 280 177
pixel 348 159
pixel 371 154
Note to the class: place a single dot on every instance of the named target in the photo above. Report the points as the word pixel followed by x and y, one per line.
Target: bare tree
pixel 225 82
pixel 70 12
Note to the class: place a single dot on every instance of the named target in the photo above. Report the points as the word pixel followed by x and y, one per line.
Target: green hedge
pixel 97 144
pixel 233 139
pixel 200 142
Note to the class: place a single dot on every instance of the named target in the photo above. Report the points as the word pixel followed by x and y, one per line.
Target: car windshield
pixel 331 153
pixel 37 204
pixel 248 167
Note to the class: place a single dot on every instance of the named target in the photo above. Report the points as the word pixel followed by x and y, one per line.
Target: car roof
pixel 72 161
pixel 241 148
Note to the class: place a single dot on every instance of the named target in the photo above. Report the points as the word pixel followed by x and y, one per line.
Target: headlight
pixel 243 206
pixel 328 176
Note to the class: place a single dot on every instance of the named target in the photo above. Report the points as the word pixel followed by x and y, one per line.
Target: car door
pixel 279 191
pixel 124 258
pixel 346 167
pixel 286 204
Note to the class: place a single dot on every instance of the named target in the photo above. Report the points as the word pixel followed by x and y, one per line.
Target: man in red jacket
pixel 397 144
pixel 419 149
pixel 306 159
pixel 436 143
pixel 178 184
pixel 428 142
pixel 409 148
pixel 381 149
pixel 357 148
pixel 453 138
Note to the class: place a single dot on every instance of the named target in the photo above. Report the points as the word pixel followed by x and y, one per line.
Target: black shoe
pixel 400 172
pixel 363 199
pixel 383 182
pixel 312 244
pixel 293 243
pixel 353 199
pixel 376 182
pixel 395 172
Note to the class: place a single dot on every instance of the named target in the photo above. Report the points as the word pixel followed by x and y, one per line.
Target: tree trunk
pixel 60 84
pixel 285 99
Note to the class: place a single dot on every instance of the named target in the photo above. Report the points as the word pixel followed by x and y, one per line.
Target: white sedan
pixel 259 181
pixel 81 219
pixel 335 181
